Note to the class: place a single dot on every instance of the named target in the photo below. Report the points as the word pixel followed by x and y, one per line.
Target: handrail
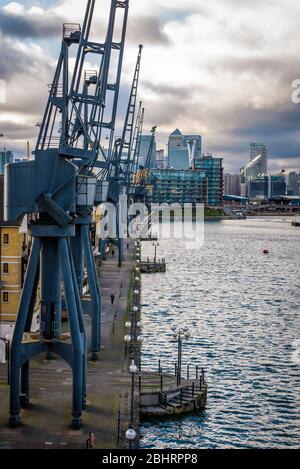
pixel 167 396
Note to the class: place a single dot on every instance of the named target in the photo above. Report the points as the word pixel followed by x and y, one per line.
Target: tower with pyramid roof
pixel 178 151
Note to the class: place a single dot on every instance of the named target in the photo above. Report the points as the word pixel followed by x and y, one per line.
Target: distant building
pixel 5 158
pixel 256 150
pixel 258 187
pixel 176 186
pixel 232 184
pixel 13 261
pixel 144 149
pixel 184 150
pixel 294 183
pixel 213 169
pixel 161 160
pixel 267 187
pixel 277 186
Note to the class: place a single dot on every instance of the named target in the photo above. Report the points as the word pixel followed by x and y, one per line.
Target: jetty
pixel 152 267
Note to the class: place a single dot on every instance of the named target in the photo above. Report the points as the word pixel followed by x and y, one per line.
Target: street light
pixel 155 245
pixel 133 370
pixel 128 325
pixel 127 339
pixel 180 334
pixel 131 436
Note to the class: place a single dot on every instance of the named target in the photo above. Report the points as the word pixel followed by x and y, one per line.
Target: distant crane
pixel 120 176
pixel 142 175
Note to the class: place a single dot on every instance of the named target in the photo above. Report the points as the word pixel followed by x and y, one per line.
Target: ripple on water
pixel 243 310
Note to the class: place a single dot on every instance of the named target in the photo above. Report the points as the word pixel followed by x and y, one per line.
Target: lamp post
pixel 132 370
pixel 179 334
pixel 7 356
pixel 130 436
pixel 155 245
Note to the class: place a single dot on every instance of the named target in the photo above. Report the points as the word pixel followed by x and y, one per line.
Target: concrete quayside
pixel 116 400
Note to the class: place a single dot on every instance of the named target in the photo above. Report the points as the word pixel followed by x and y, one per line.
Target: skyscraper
pixel 232 184
pixel 259 156
pixel 5 158
pixel 293 183
pixel 184 150
pixel 144 149
pixel 213 169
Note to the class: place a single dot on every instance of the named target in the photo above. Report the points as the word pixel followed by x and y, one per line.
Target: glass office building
pixel 5 158
pixel 213 169
pixel 176 186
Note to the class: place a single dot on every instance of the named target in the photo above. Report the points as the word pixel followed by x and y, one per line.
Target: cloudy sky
pixel 221 68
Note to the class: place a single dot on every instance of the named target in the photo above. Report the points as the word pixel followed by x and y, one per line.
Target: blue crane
pixel 141 176
pixel 120 174
pixel 57 189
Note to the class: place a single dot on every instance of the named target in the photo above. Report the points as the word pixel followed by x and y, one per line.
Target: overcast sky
pixel 221 68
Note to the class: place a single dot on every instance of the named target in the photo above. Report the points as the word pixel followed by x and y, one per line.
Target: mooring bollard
pixel 90 443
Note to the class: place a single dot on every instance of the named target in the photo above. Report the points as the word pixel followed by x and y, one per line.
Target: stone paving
pixel 46 423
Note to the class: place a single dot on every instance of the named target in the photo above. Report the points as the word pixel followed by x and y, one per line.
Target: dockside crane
pixel 142 175
pixel 120 176
pixel 57 189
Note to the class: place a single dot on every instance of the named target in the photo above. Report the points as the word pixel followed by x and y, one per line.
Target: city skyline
pixel 222 73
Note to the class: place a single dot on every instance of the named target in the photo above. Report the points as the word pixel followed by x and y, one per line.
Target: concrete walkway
pixel 46 424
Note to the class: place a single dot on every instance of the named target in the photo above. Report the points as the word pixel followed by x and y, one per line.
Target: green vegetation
pixel 213 212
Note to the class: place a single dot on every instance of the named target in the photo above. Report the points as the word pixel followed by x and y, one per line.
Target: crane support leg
pixel 16 346
pixel 77 344
pixel 56 263
pixel 83 333
pixel 94 292
pixel 77 253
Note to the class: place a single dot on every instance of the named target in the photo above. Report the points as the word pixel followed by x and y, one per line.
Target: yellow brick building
pixel 12 265
pixel 12 268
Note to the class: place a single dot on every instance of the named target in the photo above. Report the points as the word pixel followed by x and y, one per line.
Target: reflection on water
pixel 243 309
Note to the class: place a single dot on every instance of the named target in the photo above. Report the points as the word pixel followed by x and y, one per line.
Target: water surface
pixel 243 308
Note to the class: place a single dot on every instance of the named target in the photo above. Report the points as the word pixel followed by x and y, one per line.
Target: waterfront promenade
pixel 46 423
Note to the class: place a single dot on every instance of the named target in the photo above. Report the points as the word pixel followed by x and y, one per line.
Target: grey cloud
pixel 147 30
pixel 164 90
pixel 14 61
pixel 30 26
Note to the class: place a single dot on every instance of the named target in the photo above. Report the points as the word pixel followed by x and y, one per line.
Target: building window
pixel 6 239
pixel 5 268
pixel 5 297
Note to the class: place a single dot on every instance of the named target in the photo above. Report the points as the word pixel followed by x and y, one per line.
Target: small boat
pixel 296 223
pixel 266 251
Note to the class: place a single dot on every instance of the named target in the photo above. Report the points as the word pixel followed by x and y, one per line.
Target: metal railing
pixel 191 391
